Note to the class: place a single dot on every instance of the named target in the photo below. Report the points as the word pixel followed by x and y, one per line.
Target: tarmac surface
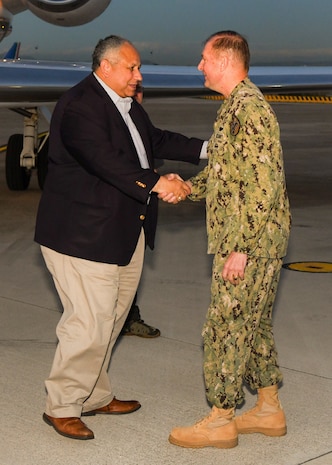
pixel 165 374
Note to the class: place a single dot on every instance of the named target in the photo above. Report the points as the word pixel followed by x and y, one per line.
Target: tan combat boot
pixel 267 417
pixel 216 430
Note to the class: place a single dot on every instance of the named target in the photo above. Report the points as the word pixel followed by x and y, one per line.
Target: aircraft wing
pixel 292 79
pixel 28 83
pixel 28 86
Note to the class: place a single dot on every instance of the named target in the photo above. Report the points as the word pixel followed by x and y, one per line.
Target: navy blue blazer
pixel 94 201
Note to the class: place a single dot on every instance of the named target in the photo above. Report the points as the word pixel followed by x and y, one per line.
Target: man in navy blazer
pixel 97 211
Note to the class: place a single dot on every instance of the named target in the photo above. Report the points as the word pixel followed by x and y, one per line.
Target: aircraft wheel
pixel 42 161
pixel 17 178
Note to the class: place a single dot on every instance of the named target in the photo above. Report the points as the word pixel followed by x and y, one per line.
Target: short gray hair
pixel 231 40
pixel 109 44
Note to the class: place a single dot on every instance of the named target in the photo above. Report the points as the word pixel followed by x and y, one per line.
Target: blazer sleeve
pixel 163 144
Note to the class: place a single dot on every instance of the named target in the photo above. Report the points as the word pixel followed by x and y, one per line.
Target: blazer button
pixel 142 217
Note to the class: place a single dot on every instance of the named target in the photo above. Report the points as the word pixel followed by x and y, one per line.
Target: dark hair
pixel 231 40
pixel 110 43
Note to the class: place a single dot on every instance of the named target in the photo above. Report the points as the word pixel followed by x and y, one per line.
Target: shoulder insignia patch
pixel 235 126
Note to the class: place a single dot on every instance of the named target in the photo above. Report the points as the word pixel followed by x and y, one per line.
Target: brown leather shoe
pixel 116 407
pixel 71 427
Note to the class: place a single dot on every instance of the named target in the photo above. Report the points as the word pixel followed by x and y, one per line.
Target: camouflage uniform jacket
pixel 244 184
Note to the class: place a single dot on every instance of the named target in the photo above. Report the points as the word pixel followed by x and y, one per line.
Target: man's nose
pixel 138 75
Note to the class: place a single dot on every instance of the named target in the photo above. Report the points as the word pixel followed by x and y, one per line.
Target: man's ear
pixel 105 67
pixel 223 62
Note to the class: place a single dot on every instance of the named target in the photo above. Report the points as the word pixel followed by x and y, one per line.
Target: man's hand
pixel 234 267
pixel 171 188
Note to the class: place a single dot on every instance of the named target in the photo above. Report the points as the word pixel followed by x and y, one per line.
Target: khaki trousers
pixel 96 299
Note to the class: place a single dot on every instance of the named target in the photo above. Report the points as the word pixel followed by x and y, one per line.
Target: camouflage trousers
pixel 238 336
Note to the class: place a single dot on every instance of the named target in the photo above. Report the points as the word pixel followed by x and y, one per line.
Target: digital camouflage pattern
pixel 238 336
pixel 244 184
pixel 247 211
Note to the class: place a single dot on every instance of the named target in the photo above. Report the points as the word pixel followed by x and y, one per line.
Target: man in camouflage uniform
pixel 248 223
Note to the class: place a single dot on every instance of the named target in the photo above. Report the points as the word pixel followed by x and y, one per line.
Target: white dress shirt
pixel 124 105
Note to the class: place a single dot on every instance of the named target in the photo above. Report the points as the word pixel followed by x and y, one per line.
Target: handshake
pixel 172 188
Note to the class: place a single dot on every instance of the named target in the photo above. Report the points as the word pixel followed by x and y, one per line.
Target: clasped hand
pixel 172 188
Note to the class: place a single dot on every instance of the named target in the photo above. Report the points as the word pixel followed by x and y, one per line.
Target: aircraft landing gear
pixel 17 177
pixel 26 152
pixel 42 161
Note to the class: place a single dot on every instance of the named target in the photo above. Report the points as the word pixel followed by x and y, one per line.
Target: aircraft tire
pixel 42 162
pixel 17 178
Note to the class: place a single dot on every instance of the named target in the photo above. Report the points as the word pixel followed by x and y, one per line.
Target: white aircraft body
pixel 26 86
pixel 59 12
pixel 29 82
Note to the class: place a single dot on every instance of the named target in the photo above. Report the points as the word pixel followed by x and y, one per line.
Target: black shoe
pixel 139 328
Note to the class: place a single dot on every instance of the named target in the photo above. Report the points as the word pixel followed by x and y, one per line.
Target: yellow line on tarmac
pixel 310 267
pixel 299 98
pixel 285 98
